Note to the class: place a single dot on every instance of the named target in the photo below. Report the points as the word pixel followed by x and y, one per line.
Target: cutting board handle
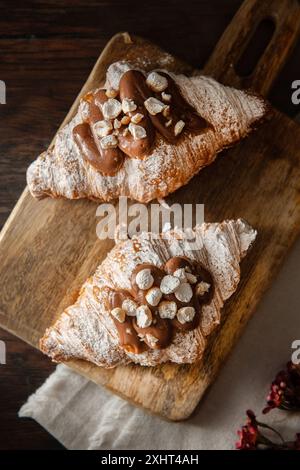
pixel 285 14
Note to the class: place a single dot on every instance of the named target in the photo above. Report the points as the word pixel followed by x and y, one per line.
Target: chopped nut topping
pixel 117 124
pixel 119 314
pixel 126 132
pixel 154 106
pixel 156 82
pixel 169 284
pixel 143 316
pixel 153 296
pixel 111 93
pixel 144 279
pixel 137 118
pixel 110 141
pixel 166 97
pixel 128 105
pixel 125 120
pixel 167 309
pixel 184 293
pixel 202 288
pixel 180 273
pixel 186 314
pixel 191 278
pixel 168 123
pixel 111 108
pixel 103 128
pixel 179 127
pixel 129 306
pixel 138 132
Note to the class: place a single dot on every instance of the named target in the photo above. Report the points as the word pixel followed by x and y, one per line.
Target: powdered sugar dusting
pixel 85 330
pixel 62 172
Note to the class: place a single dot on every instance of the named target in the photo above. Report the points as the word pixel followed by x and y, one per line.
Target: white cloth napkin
pixel 81 415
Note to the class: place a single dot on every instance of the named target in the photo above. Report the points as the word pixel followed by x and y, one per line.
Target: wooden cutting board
pixel 49 247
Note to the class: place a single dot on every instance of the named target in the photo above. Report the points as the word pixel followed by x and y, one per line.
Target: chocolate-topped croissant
pixel 143 135
pixel 153 300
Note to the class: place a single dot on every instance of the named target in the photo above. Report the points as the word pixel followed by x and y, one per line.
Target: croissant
pixel 154 298
pixel 143 136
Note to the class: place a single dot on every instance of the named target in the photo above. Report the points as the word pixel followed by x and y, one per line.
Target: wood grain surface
pixel 39 83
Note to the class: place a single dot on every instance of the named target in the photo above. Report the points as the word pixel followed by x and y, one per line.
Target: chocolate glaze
pixel 129 339
pixel 171 265
pixel 157 274
pixel 133 86
pixel 162 329
pixel 178 262
pixel 107 161
pixel 182 109
pixel 179 110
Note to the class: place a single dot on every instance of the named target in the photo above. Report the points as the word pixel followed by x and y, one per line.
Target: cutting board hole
pixel 256 46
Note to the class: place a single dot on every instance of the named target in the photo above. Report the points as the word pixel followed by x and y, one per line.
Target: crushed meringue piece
pixel 110 141
pixel 138 132
pixel 111 93
pixel 154 106
pixel 114 74
pixel 144 279
pixel 152 340
pixel 117 124
pixel 103 128
pixel 129 306
pixel 202 288
pixel 128 105
pixel 179 127
pixel 153 296
pixel 166 97
pixel 119 314
pixel 186 314
pixel 136 118
pixel 191 278
pixel 184 293
pixel 180 273
pixel 156 82
pixel 167 309
pixel 169 284
pixel 111 108
pixel 143 316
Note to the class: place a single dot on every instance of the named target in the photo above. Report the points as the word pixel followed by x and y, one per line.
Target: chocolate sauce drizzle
pixel 133 86
pixel 133 338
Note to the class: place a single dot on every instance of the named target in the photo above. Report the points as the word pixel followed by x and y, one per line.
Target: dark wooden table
pixel 47 50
